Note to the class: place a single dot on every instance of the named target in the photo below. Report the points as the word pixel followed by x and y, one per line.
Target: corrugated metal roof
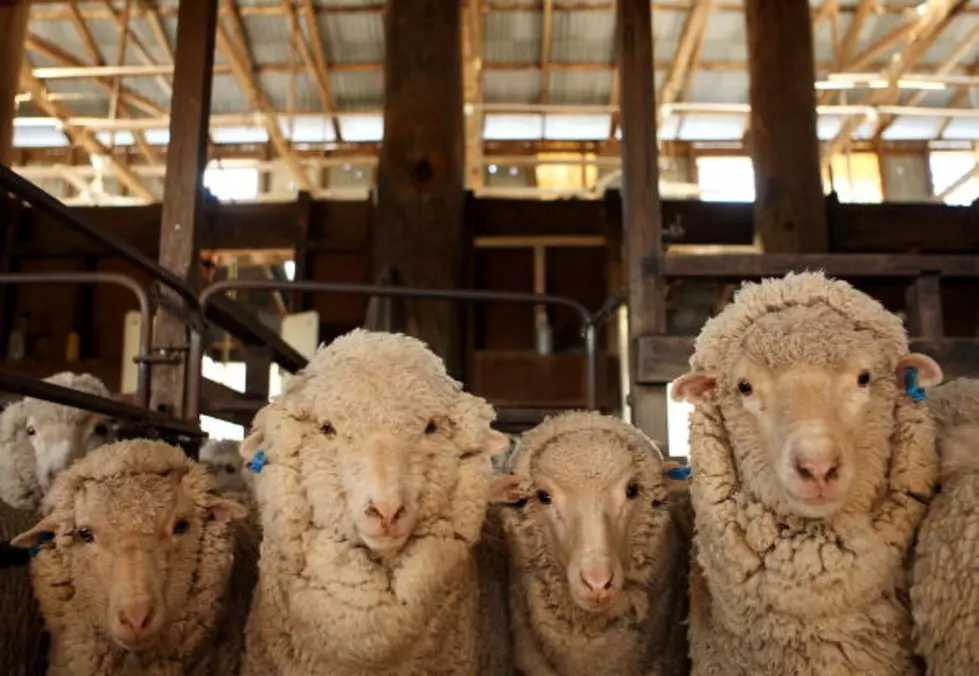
pixel 358 91
pixel 269 39
pixel 291 91
pixel 580 87
pixel 512 37
pixel 583 37
pixel 724 38
pixel 226 96
pixel 511 86
pixel 719 86
pixel 352 38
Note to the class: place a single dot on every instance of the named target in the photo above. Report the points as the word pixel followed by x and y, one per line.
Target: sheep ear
pixel 676 474
pixel 505 488
pixel 253 443
pixel 693 388
pixel 42 532
pixel 929 372
pixel 223 509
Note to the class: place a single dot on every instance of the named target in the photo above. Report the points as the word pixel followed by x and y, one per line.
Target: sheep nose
pixel 597 580
pixel 822 472
pixel 136 617
pixel 388 511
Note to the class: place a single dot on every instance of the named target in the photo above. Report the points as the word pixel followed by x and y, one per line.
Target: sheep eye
pixel 632 490
pixel 101 430
pixel 658 503
pixel 544 497
pixel 181 527
pixel 31 431
pixel 863 379
pixel 431 428
pixel 744 387
pixel 328 430
pixel 230 469
pixel 85 535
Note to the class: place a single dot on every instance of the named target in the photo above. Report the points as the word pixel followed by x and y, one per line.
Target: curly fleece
pixel 776 594
pixel 644 632
pixel 324 603
pixel 18 468
pixel 945 576
pixel 22 642
pixel 206 637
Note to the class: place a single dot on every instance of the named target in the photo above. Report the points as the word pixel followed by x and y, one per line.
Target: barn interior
pixel 554 194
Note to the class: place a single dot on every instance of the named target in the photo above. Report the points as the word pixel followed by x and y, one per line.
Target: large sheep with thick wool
pixel 945 577
pixel 813 463
pixel 373 483
pixel 39 438
pixel 141 569
pixel 598 552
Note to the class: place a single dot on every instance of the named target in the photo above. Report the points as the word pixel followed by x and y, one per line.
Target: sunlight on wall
pixel 948 167
pixel 678 426
pixel 726 179
pixel 856 178
pixel 232 184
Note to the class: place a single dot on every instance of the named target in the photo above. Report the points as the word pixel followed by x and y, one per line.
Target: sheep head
pixel 596 492
pixel 222 459
pixel 955 408
pixel 61 434
pixel 131 522
pixel 381 440
pixel 807 387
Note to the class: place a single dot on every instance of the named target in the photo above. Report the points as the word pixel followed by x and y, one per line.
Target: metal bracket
pixel 164 355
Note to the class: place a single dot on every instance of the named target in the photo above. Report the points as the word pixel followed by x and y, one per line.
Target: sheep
pixel 373 482
pixel 812 465
pixel 141 567
pixel 221 458
pixel 39 438
pixel 945 576
pixel 22 639
pixel 598 558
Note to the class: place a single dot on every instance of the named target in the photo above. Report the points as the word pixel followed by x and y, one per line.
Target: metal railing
pixel 196 352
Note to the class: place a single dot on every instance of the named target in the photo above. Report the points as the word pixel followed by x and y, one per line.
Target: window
pixel 232 184
pixel 949 167
pixel 726 179
pixel 856 178
pixel 678 426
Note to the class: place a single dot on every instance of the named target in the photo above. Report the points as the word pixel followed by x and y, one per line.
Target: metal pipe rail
pixel 196 353
pixel 145 311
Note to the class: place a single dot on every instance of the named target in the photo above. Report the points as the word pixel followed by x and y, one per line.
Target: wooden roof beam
pixel 852 36
pixel 473 90
pixel 314 66
pixel 547 21
pixel 692 35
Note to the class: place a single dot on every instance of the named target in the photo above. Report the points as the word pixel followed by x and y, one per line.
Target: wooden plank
pixel 747 266
pixel 790 210
pixel 183 192
pixel 418 230
pixel 299 301
pixel 13 28
pixel 641 222
pixel 924 307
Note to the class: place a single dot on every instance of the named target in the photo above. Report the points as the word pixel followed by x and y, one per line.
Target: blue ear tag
pixel 257 462
pixel 911 385
pixel 679 473
pixel 43 540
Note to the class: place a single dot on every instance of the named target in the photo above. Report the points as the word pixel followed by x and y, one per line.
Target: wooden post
pixel 418 230
pixel 13 28
pixel 299 301
pixel 641 214
pixel 924 308
pixel 183 188
pixel 790 210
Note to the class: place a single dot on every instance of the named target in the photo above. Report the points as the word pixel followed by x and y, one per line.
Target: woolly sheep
pixel 222 458
pixel 598 565
pixel 39 438
pixel 144 572
pixel 372 496
pixel 945 576
pixel 812 468
pixel 22 645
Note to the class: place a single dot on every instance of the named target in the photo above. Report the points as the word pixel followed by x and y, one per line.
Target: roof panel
pixel 358 90
pixel 587 37
pixel 512 37
pixel 913 129
pixel 724 38
pixel 287 91
pixel 269 39
pixel 352 38
pixel 719 87
pixel 511 86
pixel 227 97
pixel 580 87
pixel 962 128
pixel 667 27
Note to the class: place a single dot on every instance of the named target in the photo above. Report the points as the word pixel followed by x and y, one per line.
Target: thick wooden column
pixel 790 210
pixel 418 226
pixel 13 29
pixel 641 214
pixel 183 189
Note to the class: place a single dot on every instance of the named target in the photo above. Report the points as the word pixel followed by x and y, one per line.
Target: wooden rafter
pixel 958 99
pixel 547 21
pixel 82 137
pixel 156 25
pixel 243 70
pixel 322 63
pixel 852 36
pixel 88 42
pixel 139 49
pixel 473 90
pixel 694 29
pixel 317 74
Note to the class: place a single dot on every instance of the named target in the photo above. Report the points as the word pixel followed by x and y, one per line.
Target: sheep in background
pixel 599 560
pixel 144 571
pixel 812 466
pixel 373 482
pixel 22 642
pixel 222 458
pixel 945 576
pixel 39 438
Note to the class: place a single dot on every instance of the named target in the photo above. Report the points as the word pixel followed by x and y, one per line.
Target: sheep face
pixel 134 550
pixel 59 440
pixel 809 407
pixel 221 459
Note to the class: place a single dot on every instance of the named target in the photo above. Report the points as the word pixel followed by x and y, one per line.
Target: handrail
pixel 196 352
pixel 145 311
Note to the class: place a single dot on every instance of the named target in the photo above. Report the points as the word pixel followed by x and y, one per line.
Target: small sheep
pixel 813 463
pixel 222 458
pixel 141 569
pixel 945 576
pixel 373 484
pixel 39 438
pixel 598 563
pixel 22 644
